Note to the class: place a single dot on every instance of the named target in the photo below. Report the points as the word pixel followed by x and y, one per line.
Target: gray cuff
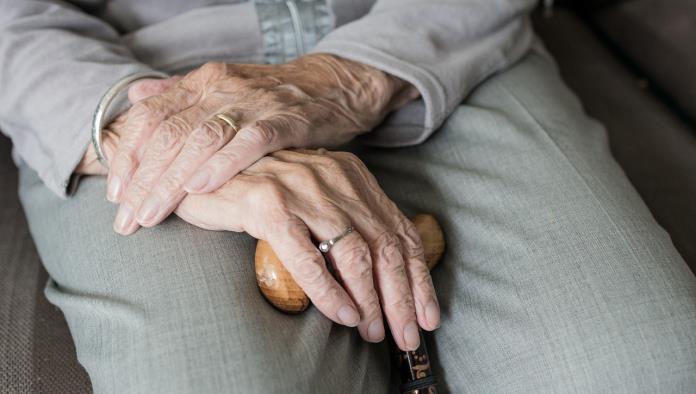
pixel 59 176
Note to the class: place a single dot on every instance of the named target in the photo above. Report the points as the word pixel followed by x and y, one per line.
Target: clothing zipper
pixel 297 26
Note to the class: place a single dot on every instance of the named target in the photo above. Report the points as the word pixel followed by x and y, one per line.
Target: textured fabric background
pixel 658 37
pixel 653 144
pixel 37 354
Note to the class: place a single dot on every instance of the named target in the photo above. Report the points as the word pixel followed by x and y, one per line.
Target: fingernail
pixel 432 314
pixel 411 336
pixel 198 181
pixel 148 210
pixel 113 189
pixel 348 316
pixel 375 331
pixel 124 218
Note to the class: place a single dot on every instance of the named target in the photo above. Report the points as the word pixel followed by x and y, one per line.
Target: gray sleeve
pixel 57 61
pixel 443 47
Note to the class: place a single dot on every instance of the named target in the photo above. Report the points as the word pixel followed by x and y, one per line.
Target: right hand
pixel 291 198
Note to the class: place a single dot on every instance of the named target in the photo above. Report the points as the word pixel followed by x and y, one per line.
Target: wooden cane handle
pixel 281 290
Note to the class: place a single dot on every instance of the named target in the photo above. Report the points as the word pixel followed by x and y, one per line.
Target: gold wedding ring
pixel 228 119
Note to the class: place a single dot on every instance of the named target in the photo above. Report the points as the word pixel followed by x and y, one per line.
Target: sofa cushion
pixel 659 37
pixel 37 354
pixel 655 147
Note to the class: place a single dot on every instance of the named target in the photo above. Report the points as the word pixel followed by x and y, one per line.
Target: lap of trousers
pixel 556 276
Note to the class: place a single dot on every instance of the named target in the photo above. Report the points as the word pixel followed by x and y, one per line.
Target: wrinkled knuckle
pixel 423 281
pixel 370 301
pixel 210 133
pixel 392 265
pixel 403 306
pixel 262 133
pixel 309 270
pixel 357 262
pixel 414 244
pixel 390 249
pixel 389 243
pixel 415 250
pixel 171 133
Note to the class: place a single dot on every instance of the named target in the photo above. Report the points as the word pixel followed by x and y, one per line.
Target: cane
pixel 281 290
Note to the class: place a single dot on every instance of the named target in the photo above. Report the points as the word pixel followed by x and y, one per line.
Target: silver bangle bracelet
pixel 99 119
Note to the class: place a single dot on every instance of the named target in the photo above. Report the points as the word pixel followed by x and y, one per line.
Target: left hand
pixel 174 144
pixel 291 199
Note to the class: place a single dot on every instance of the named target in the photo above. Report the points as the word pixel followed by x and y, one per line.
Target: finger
pixel 292 244
pixel 250 144
pixel 163 148
pixel 420 281
pixel 230 210
pixel 427 305
pixel 90 164
pixel 351 259
pixel 392 282
pixel 390 275
pixel 168 190
pixel 143 118
pixel 146 87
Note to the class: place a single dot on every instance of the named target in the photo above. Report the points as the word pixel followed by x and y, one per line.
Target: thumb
pixel 146 87
pixel 90 165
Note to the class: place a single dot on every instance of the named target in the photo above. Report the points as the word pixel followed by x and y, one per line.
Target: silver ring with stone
pixel 325 246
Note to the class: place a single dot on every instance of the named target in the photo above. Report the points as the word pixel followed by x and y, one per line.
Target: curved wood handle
pixel 281 290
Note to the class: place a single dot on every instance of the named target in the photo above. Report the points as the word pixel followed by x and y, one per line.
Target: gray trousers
pixel 556 276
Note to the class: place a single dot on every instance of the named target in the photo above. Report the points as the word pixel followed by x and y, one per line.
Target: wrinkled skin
pixel 293 198
pixel 174 144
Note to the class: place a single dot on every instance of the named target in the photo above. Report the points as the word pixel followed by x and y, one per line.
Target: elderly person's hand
pixel 291 198
pixel 174 143
pixel 139 90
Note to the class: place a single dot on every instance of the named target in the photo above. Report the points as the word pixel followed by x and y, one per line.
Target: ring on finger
pixel 325 246
pixel 228 119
